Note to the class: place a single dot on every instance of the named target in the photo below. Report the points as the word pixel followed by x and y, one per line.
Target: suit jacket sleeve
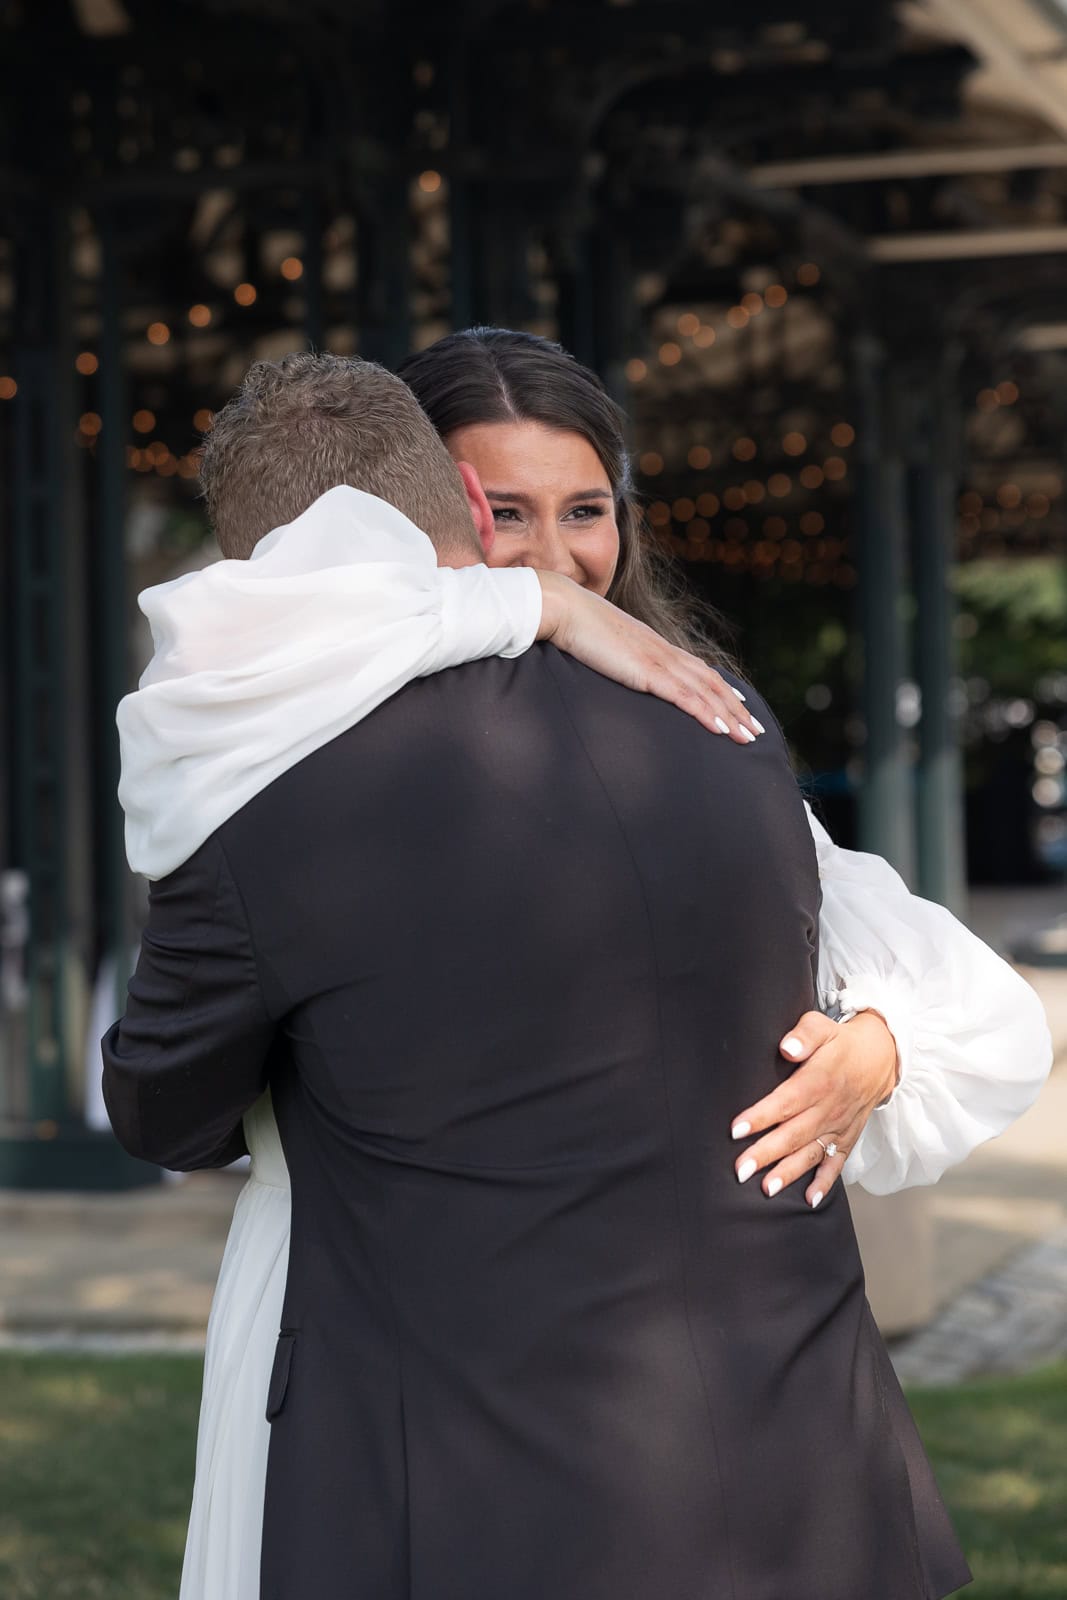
pixel 189 1058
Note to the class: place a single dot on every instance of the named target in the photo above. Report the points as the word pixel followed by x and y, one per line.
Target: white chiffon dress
pixel 259 662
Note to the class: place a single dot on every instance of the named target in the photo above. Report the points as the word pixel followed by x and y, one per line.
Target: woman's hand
pixel 602 637
pixel 848 1069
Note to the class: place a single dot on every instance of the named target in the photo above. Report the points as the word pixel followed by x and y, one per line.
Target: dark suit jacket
pixel 522 943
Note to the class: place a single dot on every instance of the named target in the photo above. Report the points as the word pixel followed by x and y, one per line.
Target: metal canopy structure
pixel 818 251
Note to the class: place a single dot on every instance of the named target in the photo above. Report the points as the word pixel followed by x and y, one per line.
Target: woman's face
pixel 550 497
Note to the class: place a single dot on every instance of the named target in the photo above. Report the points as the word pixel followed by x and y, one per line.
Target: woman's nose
pixel 550 551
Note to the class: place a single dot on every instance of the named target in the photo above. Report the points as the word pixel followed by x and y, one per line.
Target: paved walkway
pixel 78 1266
pixel 1011 1320
pixel 136 1270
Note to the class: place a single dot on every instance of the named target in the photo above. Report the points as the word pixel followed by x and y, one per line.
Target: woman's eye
pixel 505 514
pixel 585 513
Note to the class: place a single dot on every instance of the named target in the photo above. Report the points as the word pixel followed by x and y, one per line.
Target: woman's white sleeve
pixel 486 611
pixel 257 663
pixel 972 1039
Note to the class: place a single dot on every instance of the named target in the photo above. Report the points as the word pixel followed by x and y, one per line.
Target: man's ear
pixel 481 510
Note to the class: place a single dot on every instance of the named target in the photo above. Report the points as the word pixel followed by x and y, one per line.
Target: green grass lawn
pixel 96 1462
pixel 1000 1451
pixel 96 1468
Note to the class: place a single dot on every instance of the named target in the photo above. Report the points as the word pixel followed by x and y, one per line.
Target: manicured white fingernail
pixel 792 1047
pixel 737 692
pixel 750 737
pixel 745 1171
pixel 723 727
pixel 756 724
pixel 739 1130
pixel 773 1187
pixel 815 1199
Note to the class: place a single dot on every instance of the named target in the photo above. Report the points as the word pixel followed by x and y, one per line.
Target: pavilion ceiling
pixel 708 161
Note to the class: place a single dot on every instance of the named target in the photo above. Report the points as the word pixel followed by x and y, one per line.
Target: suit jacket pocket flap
pixel 279 1377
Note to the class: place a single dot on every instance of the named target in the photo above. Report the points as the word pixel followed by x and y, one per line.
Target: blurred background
pixel 817 250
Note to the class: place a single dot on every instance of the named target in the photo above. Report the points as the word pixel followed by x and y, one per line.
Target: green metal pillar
pixel 464 294
pixel 40 470
pixel 314 319
pixel 885 813
pixel 939 775
pixel 385 270
pixel 44 1142
pixel 111 611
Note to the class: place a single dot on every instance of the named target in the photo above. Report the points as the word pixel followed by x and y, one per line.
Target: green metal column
pixel 385 270
pixel 615 323
pixel 939 777
pixel 382 186
pixel 111 608
pixel 464 293
pixel 41 470
pixel 885 812
pixel 314 321
pixel 44 1142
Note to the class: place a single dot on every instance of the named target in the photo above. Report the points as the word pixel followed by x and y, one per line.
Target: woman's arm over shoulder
pixel 972 1037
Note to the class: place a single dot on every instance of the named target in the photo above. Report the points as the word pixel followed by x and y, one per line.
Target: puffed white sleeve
pixel 257 663
pixel 972 1039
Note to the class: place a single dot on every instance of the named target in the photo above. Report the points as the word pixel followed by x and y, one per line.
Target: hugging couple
pixel 549 1016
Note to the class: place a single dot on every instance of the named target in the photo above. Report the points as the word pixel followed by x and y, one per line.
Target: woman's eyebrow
pixel 526 499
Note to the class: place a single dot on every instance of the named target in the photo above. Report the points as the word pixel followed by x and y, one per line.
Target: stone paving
pixel 78 1269
pixel 1010 1321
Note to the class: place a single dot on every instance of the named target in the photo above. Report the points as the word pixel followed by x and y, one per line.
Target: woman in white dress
pixel 239 690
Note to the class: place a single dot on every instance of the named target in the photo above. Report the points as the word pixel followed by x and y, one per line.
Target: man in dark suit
pixel 511 951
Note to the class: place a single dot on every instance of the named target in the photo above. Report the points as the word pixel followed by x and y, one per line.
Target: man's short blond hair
pixel 304 424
